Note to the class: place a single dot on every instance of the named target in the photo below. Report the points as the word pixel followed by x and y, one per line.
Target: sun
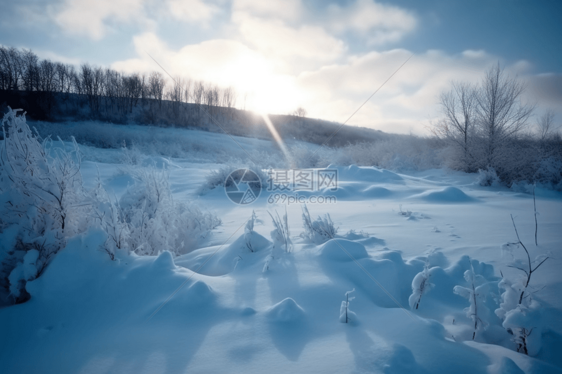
pixel 260 89
pixel 276 96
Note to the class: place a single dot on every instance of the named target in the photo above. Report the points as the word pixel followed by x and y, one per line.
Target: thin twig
pixel 529 263
pixel 535 206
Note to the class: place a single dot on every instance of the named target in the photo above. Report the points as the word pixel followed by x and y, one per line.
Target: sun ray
pixel 278 139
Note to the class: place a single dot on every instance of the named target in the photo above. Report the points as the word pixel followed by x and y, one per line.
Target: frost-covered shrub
pixel 23 272
pixel 519 312
pixel 154 222
pixel 420 286
pixel 521 317
pixel 305 156
pixel 218 177
pixel 111 218
pixel 42 195
pixel 524 323
pixel 488 177
pixel 549 172
pixel 280 235
pixel 475 293
pixel 249 231
pixel 131 156
pixel 319 231
pixel 397 152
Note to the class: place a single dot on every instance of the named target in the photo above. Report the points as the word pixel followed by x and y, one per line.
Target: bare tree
pixel 546 127
pixel 60 76
pixel 47 85
pixel 299 112
pixel 92 80
pixel 77 86
pixel 63 80
pixel 30 70
pixel 229 98
pixel 10 64
pixel 458 107
pixel 500 113
pixel 143 88
pixel 156 85
pixel 133 89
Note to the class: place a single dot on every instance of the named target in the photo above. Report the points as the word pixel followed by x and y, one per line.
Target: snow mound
pixel 342 250
pixel 200 293
pixel 286 310
pixel 342 193
pixel 164 262
pixel 401 360
pixel 226 259
pixel 374 192
pixel 506 366
pixel 368 174
pixel 446 195
pixel 246 312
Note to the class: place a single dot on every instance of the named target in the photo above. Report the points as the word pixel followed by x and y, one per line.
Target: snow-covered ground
pixel 225 308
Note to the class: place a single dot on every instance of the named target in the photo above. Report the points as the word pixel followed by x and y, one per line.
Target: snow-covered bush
pixel 524 323
pixel 153 221
pixel 549 173
pixel 42 194
pixel 217 178
pixel 475 293
pixel 420 286
pixel 111 218
pixel 319 231
pixel 521 319
pixel 304 156
pixel 396 152
pixel 249 231
pixel 280 235
pixel 43 203
pixel 519 312
pixel 131 156
pixel 509 298
pixel 345 313
pixel 488 177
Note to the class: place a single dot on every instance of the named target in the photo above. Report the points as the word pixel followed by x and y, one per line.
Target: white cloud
pixel 276 39
pixel 379 23
pixel 87 17
pixel 407 101
pixel 289 10
pixel 278 29
pixel 546 89
pixel 192 10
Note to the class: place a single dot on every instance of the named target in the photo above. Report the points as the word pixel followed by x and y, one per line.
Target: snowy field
pixel 242 302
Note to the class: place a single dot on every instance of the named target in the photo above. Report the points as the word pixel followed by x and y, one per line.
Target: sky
pixel 325 56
